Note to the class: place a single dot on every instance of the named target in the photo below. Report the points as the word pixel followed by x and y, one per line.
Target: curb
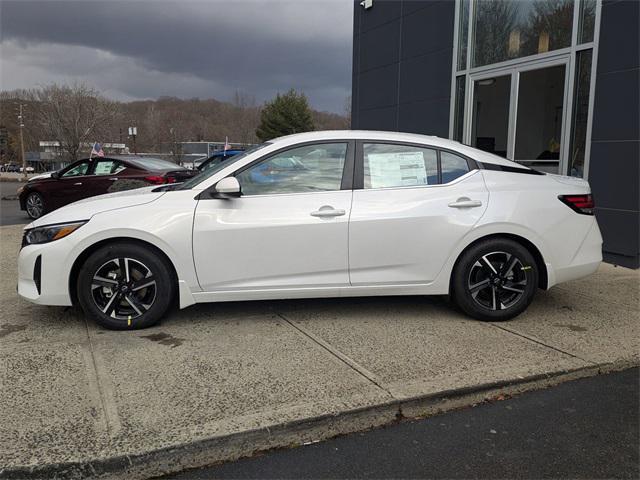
pixel 13 179
pixel 231 447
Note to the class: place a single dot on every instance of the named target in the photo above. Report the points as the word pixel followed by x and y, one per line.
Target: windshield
pixel 213 170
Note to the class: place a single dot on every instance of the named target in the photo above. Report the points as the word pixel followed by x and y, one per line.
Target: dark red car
pixel 89 177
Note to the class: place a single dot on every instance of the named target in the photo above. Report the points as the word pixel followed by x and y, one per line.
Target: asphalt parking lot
pixel 220 381
pixel 10 213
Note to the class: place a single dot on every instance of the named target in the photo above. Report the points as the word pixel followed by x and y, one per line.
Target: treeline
pixel 79 114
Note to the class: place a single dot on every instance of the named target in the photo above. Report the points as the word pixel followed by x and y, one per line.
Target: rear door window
pixel 108 167
pixel 389 165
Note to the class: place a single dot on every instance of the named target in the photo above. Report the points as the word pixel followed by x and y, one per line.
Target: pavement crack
pixel 109 408
pixel 539 342
pixel 352 364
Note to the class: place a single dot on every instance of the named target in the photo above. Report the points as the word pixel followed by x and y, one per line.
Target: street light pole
pixel 24 160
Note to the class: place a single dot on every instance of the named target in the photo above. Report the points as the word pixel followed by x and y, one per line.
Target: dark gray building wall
pixel 614 169
pixel 402 53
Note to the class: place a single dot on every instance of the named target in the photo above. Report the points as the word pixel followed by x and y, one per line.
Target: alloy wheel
pixel 497 280
pixel 35 206
pixel 123 288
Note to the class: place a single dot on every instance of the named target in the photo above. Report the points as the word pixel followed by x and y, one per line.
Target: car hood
pixel 40 176
pixel 87 208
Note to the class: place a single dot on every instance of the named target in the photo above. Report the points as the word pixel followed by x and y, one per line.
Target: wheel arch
pixel 28 190
pixel 543 275
pixel 80 259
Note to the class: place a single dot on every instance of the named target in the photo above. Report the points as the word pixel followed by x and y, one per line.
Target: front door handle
pixel 328 211
pixel 464 202
pixel 78 183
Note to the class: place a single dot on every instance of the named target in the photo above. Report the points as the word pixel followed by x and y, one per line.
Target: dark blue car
pixel 217 158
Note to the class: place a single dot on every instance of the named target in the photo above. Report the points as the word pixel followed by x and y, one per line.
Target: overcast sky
pixel 208 49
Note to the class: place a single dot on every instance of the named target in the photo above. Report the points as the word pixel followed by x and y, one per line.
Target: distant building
pixel 52 157
pixel 200 148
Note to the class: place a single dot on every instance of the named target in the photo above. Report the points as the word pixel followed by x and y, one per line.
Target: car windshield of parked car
pixel 212 171
pixel 151 163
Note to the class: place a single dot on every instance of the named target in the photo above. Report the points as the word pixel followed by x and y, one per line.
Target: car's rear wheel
pixel 495 280
pixel 34 205
pixel 125 286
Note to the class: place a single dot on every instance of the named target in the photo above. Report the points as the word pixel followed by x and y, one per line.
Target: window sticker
pixel 103 168
pixel 397 169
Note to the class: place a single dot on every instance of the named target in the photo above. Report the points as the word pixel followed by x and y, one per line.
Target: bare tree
pixel 74 115
pixel 78 115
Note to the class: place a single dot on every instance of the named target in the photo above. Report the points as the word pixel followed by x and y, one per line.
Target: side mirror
pixel 55 174
pixel 228 187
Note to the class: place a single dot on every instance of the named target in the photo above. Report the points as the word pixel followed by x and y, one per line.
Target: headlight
pixel 49 233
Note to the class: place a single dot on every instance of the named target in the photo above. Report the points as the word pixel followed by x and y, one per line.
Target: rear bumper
pixel 586 260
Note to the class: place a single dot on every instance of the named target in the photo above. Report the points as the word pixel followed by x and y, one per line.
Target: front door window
pixel 78 170
pixel 312 168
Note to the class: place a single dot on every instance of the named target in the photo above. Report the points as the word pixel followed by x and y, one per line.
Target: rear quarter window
pixel 453 166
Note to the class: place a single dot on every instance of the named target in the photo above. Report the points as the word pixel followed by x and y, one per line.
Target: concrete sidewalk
pixel 216 382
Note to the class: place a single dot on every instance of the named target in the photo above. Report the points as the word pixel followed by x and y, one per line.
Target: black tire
pixel 495 280
pixel 34 205
pixel 125 286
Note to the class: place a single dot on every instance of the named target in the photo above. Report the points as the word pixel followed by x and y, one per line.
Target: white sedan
pixel 322 214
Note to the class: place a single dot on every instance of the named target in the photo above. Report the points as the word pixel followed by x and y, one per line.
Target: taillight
pixel 171 179
pixel 579 203
pixel 155 179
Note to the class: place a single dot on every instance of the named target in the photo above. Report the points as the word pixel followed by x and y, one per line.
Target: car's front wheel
pixel 34 204
pixel 495 280
pixel 125 286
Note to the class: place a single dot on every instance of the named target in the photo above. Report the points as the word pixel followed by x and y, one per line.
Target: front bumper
pixel 48 282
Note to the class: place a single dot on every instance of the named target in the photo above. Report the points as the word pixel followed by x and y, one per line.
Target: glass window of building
pixel 540 111
pixel 490 119
pixel 580 113
pixel 463 35
pixel 458 118
pixel 507 29
pixel 587 21
pixel 523 83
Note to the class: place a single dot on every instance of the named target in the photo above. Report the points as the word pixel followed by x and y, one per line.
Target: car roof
pixel 222 153
pixel 429 140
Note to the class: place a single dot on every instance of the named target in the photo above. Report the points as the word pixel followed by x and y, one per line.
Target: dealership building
pixel 551 84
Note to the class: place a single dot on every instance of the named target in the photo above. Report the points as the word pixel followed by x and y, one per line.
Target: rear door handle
pixel 113 179
pixel 328 211
pixel 465 202
pixel 78 183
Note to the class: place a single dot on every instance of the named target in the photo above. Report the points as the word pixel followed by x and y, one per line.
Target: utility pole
pixel 24 160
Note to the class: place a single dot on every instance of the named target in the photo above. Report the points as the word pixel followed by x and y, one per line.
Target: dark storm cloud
pixel 200 48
